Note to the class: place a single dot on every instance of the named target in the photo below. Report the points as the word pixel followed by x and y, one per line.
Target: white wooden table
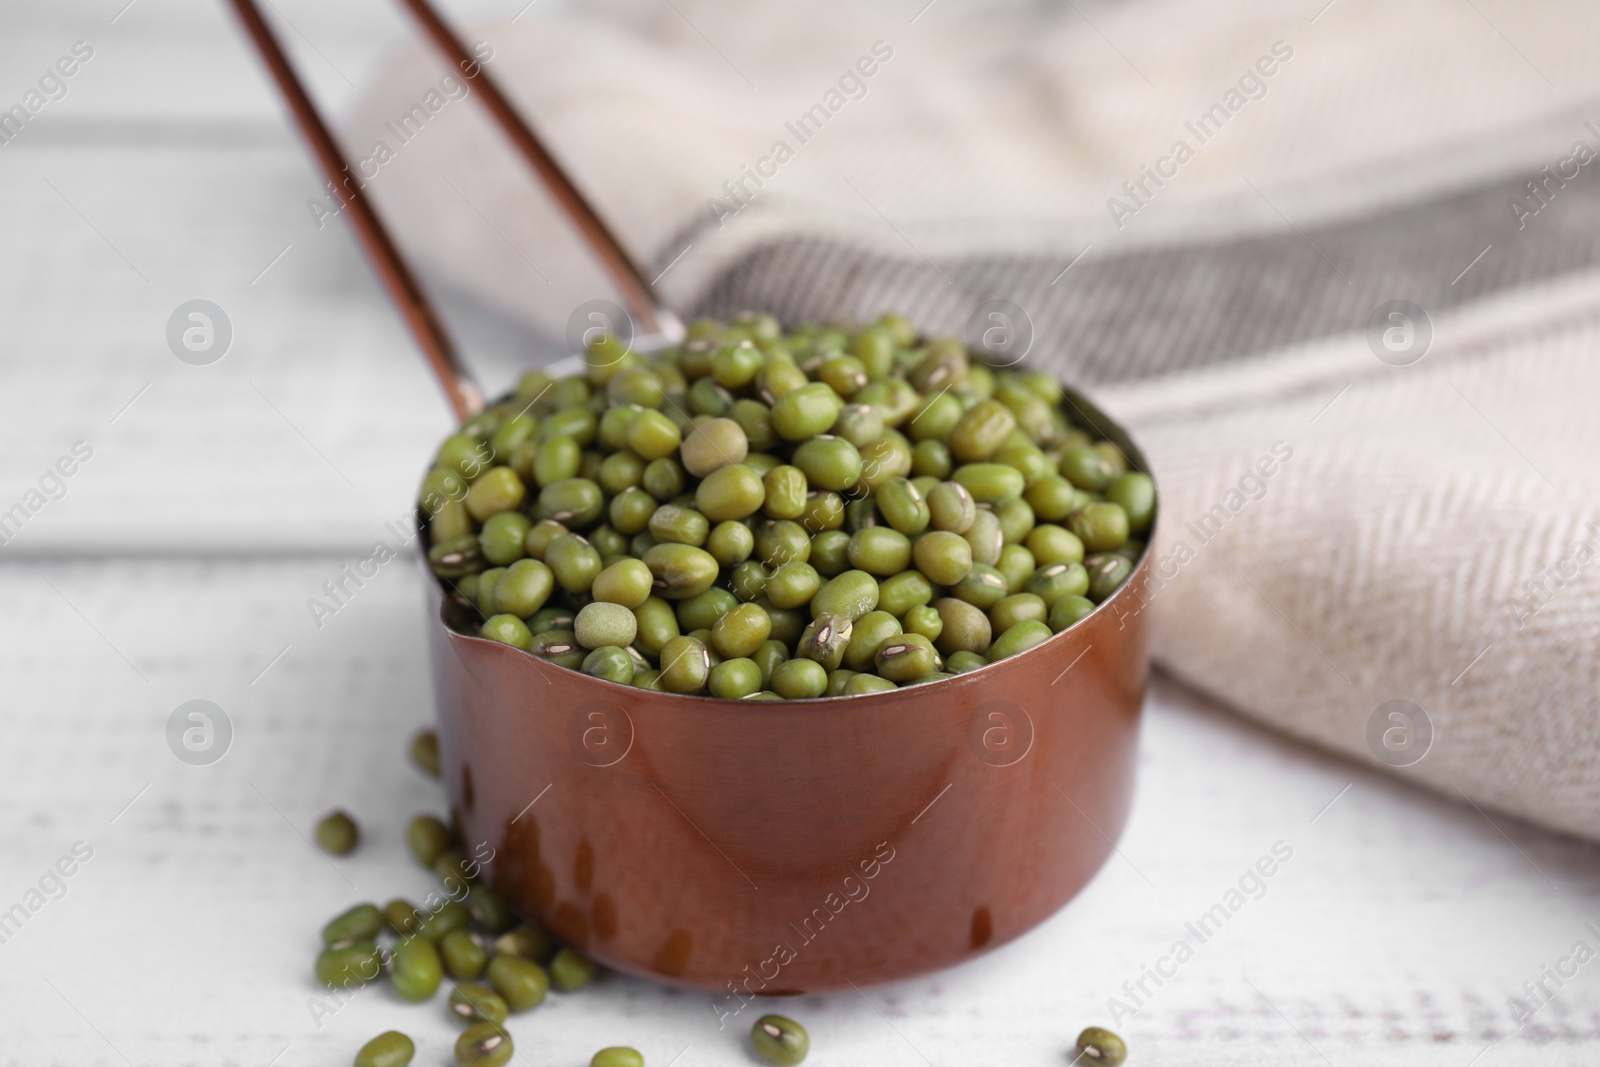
pixel 219 498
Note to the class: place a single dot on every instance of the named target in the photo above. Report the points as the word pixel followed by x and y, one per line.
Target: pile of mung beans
pixel 470 940
pixel 465 937
pixel 764 514
pixel 494 964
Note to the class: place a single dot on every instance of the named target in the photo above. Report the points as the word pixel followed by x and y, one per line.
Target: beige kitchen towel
pixel 1336 263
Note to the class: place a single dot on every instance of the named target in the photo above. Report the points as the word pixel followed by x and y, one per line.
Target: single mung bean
pixel 456 558
pixel 571 969
pixel 739 632
pixel 663 478
pixel 792 585
pixel 1106 573
pixel 989 483
pixel 982 429
pixel 483 1045
pixel 702 611
pixel 735 364
pixel 850 595
pixel 401 917
pixel 734 678
pixel 962 662
pixel 748 580
pixel 730 493
pixel 559 647
pixel 685 666
pixel 360 923
pixel 498 490
pixel 923 620
pixel 1019 607
pixel 986 538
pixel 799 679
pixel 682 571
pixel 1016 521
pixel 966 627
pixel 1016 565
pixel 1054 544
pixel 1019 638
pixel 415 970
pixel 1135 494
pixel 427 838
pixel 1101 526
pixel 389 1049
pixel 523 588
pixel 574 562
pixel 656 624
pixel 805 412
pixel 780 541
pixel 576 502
pixel 425 752
pixel 1068 610
pixel 617 1056
pixel 336 834
pixel 1097 1045
pixel 858 424
pixel 902 506
pixel 906 656
pixel 786 490
pixel 730 543
pixel 626 582
pixel 867 634
pixel 520 982
pixel 671 524
pixel 712 445
pixel 652 435
pixel 1085 468
pixel 463 954
pixel 930 459
pixel 826 639
pixel 901 592
pixel 780 1041
pixel 508 630
pixel 880 550
pixel 526 942
pixel 452 914
pixel 829 462
pixel 349 966
pixel 771 653
pixel 473 1002
pixel 611 663
pixel 823 511
pixel 830 552
pixel 536 542
pixel 945 557
pixel 1052 498
pixel 489 909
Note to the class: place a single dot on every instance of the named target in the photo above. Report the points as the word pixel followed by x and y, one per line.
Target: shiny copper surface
pixel 803 845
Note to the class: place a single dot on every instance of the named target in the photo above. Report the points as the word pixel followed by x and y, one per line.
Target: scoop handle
pixel 397 277
pixel 630 281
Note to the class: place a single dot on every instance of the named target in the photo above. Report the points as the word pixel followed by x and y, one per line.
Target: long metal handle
pixel 463 393
pixel 625 273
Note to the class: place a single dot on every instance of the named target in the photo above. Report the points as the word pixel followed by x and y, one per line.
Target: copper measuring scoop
pixel 774 848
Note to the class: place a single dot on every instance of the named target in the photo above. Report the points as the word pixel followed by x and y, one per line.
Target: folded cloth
pixel 1335 266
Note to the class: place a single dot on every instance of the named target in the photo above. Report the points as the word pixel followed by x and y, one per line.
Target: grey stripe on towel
pixel 1133 315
